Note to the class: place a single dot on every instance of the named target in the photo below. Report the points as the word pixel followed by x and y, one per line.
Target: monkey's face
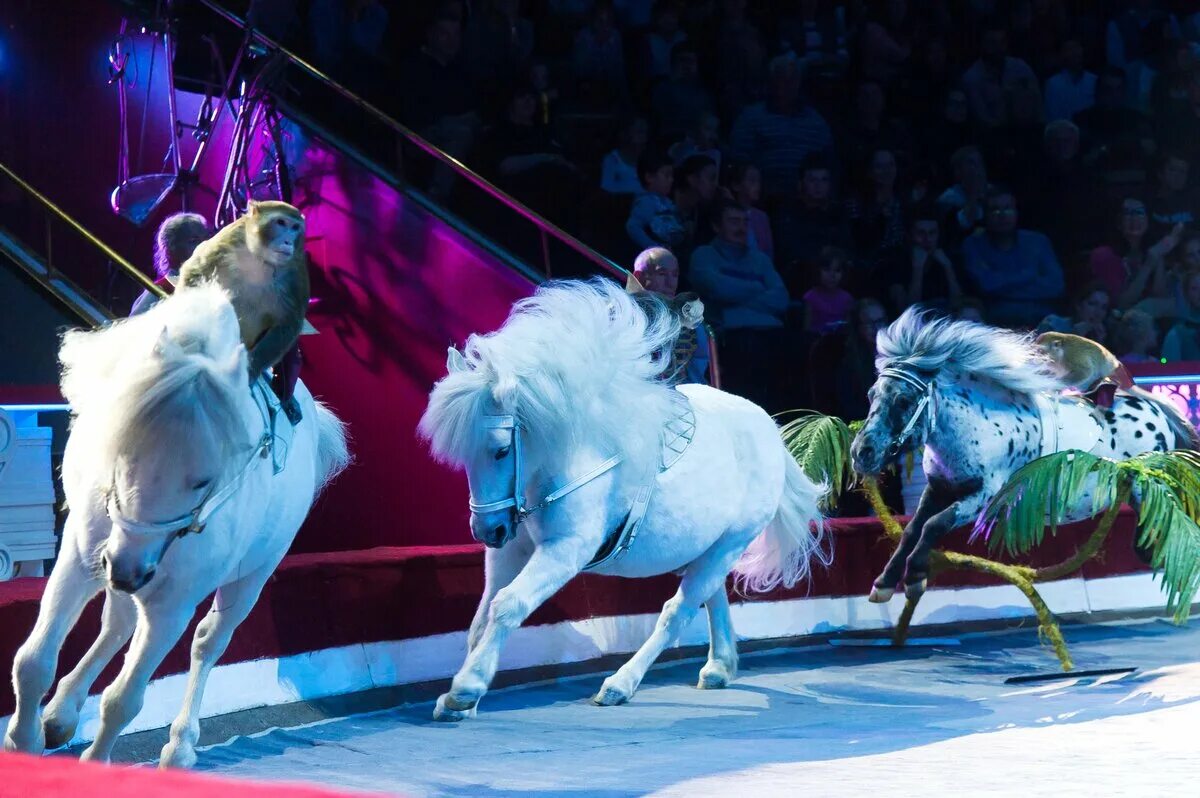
pixel 281 236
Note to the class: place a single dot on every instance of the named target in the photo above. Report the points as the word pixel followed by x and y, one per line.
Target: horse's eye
pixel 502 453
pixel 202 484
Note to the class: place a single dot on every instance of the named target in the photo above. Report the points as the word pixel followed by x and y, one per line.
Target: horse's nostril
pixel 498 532
pixel 104 561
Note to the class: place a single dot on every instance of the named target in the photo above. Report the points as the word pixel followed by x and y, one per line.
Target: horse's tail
pixel 333 452
pixel 781 554
pixel 1186 436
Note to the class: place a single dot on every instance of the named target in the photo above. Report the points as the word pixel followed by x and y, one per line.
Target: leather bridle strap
pixel 924 404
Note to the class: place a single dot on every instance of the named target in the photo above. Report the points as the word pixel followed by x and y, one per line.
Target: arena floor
pixel 822 721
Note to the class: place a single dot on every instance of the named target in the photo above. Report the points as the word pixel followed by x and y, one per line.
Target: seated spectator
pixel 971 310
pixel 927 276
pixel 816 34
pixel 1173 203
pixel 1072 89
pixel 885 44
pixel 923 90
pixel 744 183
pixel 496 43
pixel 1128 267
pixel 1170 97
pixel 746 300
pixel 657 270
pixel 654 220
pixel 1061 193
pixel 1014 271
pixel 1182 341
pixel 1116 138
pixel 877 215
pixel 660 41
pixel 868 130
pixel 808 223
pixel 1135 339
pixel 437 101
pixel 776 135
pixel 695 187
pixel 962 203
pixel 991 80
pixel 943 134
pixel 618 170
pixel 527 163
pixel 845 359
pixel 547 92
pixel 1090 305
pixel 680 100
pixel 703 138
pixel 598 58
pixel 741 59
pixel 176 240
pixel 1128 34
pixel 827 304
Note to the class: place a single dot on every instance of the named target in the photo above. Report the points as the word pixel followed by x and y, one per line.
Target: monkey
pixel 1085 365
pixel 260 260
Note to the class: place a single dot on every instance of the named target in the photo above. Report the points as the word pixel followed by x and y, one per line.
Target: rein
pixel 925 405
pixel 195 521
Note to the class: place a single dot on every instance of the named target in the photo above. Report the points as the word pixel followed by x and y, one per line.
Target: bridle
pixel 925 405
pixel 195 521
pixel 516 502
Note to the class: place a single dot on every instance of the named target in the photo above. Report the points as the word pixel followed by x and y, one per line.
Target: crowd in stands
pixel 816 167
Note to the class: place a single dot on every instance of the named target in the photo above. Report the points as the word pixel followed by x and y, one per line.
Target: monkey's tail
pixel 333 450
pixel 1186 436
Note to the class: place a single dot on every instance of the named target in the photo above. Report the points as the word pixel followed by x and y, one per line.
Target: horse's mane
pixel 576 362
pixel 168 376
pixel 923 342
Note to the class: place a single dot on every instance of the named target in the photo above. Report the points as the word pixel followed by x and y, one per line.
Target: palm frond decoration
pixel 821 446
pixel 1166 490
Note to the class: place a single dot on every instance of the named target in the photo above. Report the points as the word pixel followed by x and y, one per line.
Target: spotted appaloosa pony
pixel 984 402
pixel 578 457
pixel 177 487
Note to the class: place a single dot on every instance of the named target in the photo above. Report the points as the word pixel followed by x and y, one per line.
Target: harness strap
pixel 926 402
pixel 576 484
pixel 616 544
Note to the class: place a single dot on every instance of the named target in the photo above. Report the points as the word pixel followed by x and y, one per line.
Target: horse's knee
pixel 508 609
pixel 33 670
pixel 675 614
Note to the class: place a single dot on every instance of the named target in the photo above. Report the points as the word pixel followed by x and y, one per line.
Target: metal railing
pixel 546 228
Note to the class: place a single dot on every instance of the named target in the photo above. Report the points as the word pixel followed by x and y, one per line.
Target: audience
pixel 619 170
pixel 743 182
pixel 654 220
pixel 827 304
pixel 1135 339
pixel 1091 305
pixel 1183 340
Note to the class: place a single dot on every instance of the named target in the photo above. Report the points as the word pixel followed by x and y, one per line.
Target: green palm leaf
pixel 821 446
pixel 1044 489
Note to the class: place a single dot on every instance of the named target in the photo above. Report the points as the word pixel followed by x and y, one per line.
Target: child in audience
pixel 654 220
pixel 1135 339
pixel 743 182
pixel 828 304
pixel 619 170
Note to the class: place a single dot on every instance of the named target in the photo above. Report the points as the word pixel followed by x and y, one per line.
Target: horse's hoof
pixel 915 590
pixel 58 730
pixel 177 756
pixel 448 710
pixel 610 697
pixel 881 595
pixel 714 676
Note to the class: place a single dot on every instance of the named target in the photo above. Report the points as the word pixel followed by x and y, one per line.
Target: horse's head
pixel 899 405
pixel 163 442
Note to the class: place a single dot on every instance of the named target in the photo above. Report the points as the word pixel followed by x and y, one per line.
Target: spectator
pixel 176 240
pixel 438 102
pixel 1090 305
pixel 816 35
pixel 660 41
pixel 681 100
pixel 845 359
pixel 877 214
pixel 1061 193
pixel 547 92
pixel 657 270
pixel 1073 88
pixel 929 277
pixel 885 40
pixel 1173 203
pixel 747 300
pixel 971 310
pixel 496 44
pixel 1128 267
pixel 1116 138
pixel 962 203
pixel 703 138
pixel 1129 33
pixel 923 90
pixel 1182 341
pixel 598 58
pixel 741 57
pixel 869 130
pixel 619 171
pixel 1135 339
pixel 991 80
pixel 654 220
pixel 827 304
pixel 947 132
pixel 777 134
pixel 744 182
pixel 809 223
pixel 1014 271
pixel 695 188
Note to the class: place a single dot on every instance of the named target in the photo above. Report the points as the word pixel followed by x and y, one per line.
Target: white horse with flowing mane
pixel 579 458
pixel 982 402
pixel 177 486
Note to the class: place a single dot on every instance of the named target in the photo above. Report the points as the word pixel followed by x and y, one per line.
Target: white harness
pixel 678 433
pixel 269 444
pixel 926 404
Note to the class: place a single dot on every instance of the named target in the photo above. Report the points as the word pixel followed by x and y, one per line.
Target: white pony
pixel 171 473
pixel 578 457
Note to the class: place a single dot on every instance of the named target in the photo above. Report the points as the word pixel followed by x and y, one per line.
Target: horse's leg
pixel 61 716
pixel 501 566
pixel 721 668
pixel 885 584
pixel 550 567
pixel 960 511
pixel 164 619
pixel 701 579
pixel 230 607
pixel 70 588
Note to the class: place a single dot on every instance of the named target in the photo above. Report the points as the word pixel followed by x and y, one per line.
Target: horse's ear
pixel 455 362
pixel 164 347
